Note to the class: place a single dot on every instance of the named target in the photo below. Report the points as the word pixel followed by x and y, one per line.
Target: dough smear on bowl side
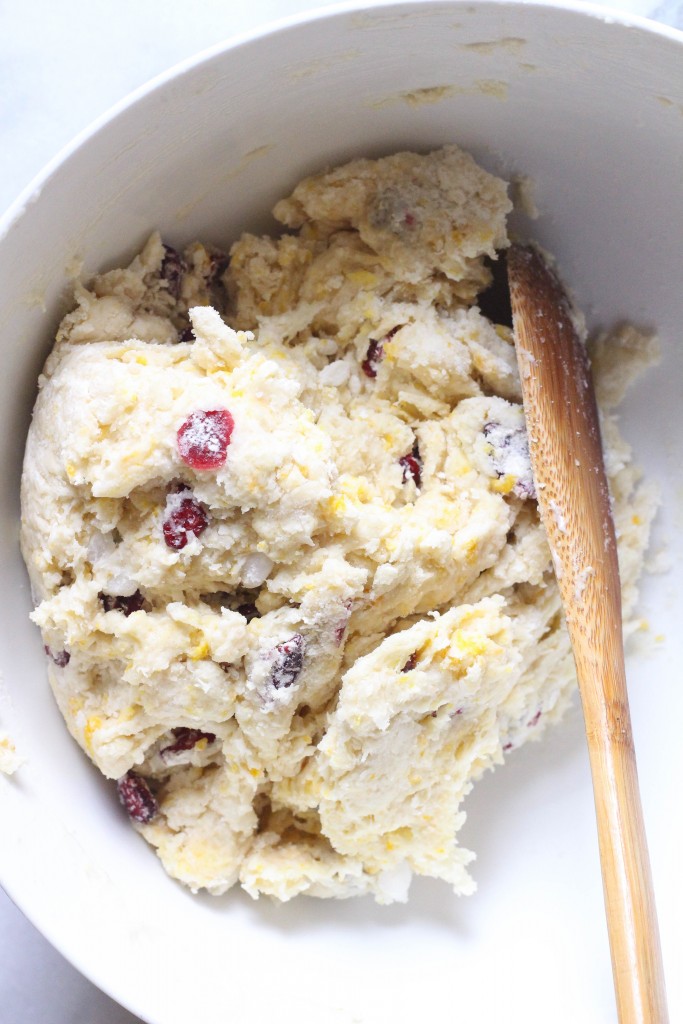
pixel 281 529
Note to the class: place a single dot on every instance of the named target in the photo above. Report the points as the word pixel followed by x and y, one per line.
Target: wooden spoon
pixel 573 499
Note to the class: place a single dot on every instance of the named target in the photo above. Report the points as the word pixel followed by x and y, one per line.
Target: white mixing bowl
pixel 591 108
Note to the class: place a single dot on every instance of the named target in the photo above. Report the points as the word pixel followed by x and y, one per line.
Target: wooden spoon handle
pixel 573 497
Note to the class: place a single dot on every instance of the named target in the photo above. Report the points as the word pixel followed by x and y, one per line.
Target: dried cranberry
pixel 342 625
pixel 60 658
pixel 508 746
pixel 204 437
pixel 185 518
pixel 339 633
pixel 510 456
pixel 116 603
pixel 412 466
pixel 172 270
pixel 534 720
pixel 373 358
pixel 137 797
pixel 375 352
pixel 411 663
pixel 186 739
pixel 288 660
pixel 249 611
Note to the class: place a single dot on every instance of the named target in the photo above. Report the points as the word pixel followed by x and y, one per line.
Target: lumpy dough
pixel 283 540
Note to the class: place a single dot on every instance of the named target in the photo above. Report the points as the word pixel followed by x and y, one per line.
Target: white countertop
pixel 62 65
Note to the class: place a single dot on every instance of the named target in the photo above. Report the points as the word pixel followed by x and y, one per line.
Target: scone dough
pixel 282 535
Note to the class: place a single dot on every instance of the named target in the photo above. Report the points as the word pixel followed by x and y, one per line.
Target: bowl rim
pixel 32 191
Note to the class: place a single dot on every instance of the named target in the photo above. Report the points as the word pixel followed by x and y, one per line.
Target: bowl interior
pixel 590 110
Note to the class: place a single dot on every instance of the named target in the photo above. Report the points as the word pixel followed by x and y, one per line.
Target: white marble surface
pixel 61 65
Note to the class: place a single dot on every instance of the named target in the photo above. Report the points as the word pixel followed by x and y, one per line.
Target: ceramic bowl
pixel 589 107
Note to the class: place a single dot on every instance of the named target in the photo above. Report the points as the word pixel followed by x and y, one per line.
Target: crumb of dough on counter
pixel 10 758
pixel 280 523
